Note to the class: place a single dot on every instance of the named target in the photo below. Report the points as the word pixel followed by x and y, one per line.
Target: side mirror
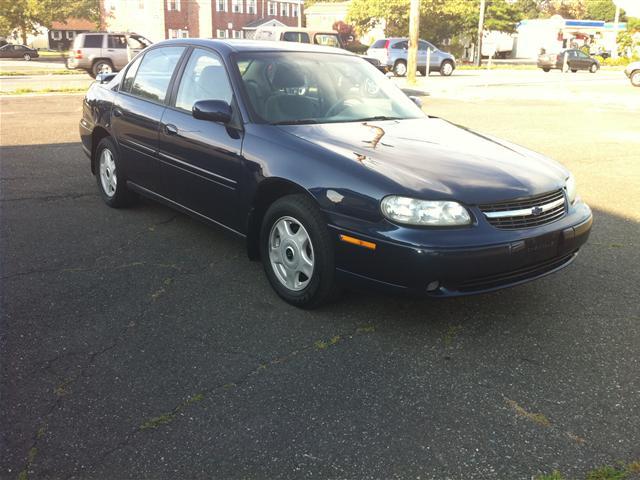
pixel 103 78
pixel 416 100
pixel 212 110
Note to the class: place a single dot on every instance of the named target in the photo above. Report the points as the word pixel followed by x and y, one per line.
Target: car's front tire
pixel 26 57
pixel 593 68
pixel 546 69
pixel 635 78
pixel 297 252
pixel 109 175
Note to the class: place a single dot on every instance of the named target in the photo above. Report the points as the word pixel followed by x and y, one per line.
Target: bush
pixel 356 47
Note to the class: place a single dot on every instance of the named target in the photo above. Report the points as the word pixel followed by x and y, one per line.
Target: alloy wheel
pixel 108 178
pixel 291 253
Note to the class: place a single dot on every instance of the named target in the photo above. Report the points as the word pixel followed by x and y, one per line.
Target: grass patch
pixel 322 345
pixel 366 329
pixel 608 473
pixel 555 475
pixel 538 418
pixel 452 332
pixel 24 73
pixel 25 91
pixel 169 417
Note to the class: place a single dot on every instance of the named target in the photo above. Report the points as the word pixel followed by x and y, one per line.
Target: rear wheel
pixel 297 252
pixel 111 181
pixel 635 78
pixel 546 69
pixel 423 71
pixel 574 71
pixel 101 66
pixel 26 57
pixel 400 68
pixel 446 69
pixel 593 68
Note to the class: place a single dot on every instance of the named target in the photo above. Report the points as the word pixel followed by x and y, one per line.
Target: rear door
pixel 201 159
pixel 137 112
pixel 117 51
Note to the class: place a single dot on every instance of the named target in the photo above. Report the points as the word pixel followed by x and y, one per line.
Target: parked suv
pixel 99 52
pixel 393 52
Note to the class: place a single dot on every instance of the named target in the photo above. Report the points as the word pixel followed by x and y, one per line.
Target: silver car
pixel 99 52
pixel 393 52
pixel 633 72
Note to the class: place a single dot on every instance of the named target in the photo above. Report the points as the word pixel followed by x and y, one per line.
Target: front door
pixel 137 111
pixel 117 51
pixel 201 159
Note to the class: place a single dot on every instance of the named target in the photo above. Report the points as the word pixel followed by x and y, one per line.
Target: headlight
pixel 422 212
pixel 571 189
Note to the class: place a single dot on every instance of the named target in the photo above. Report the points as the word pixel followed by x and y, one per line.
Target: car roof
pixel 229 46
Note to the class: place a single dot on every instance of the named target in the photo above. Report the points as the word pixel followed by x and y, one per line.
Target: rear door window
pixel 117 41
pixel 93 41
pixel 400 45
pixel 154 73
pixel 300 37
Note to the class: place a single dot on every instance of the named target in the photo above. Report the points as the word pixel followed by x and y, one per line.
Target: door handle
pixel 117 112
pixel 170 129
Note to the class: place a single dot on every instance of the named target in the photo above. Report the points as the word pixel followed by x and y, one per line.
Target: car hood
pixel 432 158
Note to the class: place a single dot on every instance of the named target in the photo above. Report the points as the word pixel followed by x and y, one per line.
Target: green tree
pixel 27 15
pixel 603 10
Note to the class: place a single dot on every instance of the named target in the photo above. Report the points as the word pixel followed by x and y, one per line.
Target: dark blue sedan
pixel 329 172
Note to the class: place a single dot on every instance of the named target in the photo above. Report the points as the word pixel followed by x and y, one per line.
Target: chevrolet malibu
pixel 330 174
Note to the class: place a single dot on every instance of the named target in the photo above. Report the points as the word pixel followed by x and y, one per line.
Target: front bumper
pixel 462 261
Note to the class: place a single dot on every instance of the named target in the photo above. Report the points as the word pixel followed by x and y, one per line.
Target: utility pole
pixel 616 25
pixel 414 27
pixel 480 29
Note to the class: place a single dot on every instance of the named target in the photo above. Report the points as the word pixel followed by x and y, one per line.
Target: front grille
pixel 527 212
pixel 515 276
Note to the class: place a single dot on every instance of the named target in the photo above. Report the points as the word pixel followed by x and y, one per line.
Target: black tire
pixel 101 66
pixel 546 69
pixel 27 57
pixel 122 196
pixel 423 71
pixel 321 287
pixel 635 78
pixel 573 70
pixel 593 68
pixel 400 68
pixel 446 68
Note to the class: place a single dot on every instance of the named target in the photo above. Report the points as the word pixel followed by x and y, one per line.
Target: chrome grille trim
pixel 516 214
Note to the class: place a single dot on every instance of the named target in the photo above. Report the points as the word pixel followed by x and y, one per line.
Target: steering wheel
pixel 335 108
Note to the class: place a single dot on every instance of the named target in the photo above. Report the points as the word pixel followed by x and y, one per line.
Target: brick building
pixel 227 18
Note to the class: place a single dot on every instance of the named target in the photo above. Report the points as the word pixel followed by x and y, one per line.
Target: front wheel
pixel 546 69
pixel 446 69
pixel 635 78
pixel 574 70
pixel 297 252
pixel 26 57
pixel 111 181
pixel 593 68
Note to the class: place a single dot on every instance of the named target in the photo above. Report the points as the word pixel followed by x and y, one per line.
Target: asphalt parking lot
pixel 140 343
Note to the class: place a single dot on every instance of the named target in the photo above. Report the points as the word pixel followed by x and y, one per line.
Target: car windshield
pixel 302 87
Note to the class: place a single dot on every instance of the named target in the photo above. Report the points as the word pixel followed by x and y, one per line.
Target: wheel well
pixel 101 59
pixel 98 134
pixel 268 192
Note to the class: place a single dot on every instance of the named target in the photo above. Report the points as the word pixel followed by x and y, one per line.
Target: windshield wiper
pixel 302 121
pixel 377 117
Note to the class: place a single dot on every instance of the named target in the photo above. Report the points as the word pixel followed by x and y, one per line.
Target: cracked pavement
pixel 140 343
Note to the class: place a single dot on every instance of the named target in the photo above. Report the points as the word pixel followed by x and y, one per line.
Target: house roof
pixel 262 21
pixel 74 24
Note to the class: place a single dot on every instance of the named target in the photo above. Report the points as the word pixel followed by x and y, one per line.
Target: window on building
pixel 236 34
pixel 284 9
pixel 222 34
pixel 205 78
pixel 56 35
pixel 154 74
pixel 173 5
pixel 70 34
pixel 294 9
pixel 251 7
pixel 178 33
pixel 236 6
pixel 271 8
pixel 221 6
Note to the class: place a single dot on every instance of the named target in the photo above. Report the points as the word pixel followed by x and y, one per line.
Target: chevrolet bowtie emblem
pixel 535 211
